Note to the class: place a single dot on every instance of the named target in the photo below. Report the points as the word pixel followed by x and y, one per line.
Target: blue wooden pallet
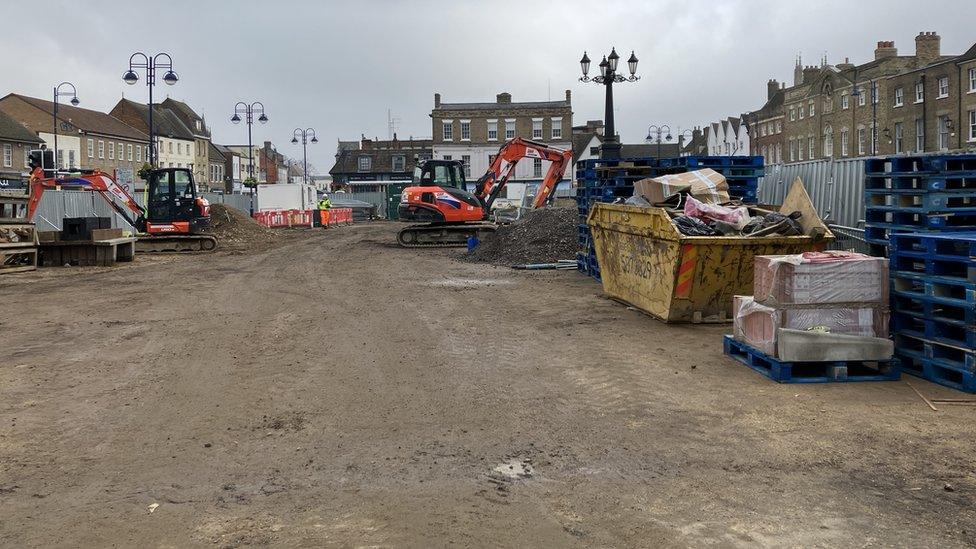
pixel 949 332
pixel 942 289
pixel 962 220
pixel 960 182
pixel 959 358
pixel 920 201
pixel 933 371
pixel 951 163
pixel 956 245
pixel 933 268
pixel 810 372
pixel 895 164
pixel 932 308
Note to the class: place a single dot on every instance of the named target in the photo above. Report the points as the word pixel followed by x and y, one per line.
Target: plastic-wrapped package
pixel 821 277
pixel 737 217
pixel 756 324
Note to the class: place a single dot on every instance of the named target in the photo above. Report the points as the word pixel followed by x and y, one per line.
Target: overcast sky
pixel 338 66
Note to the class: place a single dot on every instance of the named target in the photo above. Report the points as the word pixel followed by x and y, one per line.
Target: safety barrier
pixel 335 216
pixel 304 218
pixel 284 218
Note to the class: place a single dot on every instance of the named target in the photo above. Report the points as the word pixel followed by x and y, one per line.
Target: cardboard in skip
pixel 706 185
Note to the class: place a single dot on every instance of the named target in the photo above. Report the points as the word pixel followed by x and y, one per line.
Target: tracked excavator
pixel 449 214
pixel 176 219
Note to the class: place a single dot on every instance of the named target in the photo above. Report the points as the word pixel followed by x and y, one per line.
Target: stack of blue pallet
pixel 933 301
pixel 610 180
pixel 908 194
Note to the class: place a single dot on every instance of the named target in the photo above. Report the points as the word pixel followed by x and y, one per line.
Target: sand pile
pixel 540 236
pixel 236 230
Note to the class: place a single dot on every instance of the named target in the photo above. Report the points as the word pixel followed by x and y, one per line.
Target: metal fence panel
pixel 242 202
pixel 836 187
pixel 376 198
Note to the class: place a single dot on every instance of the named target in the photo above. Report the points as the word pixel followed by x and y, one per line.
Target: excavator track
pixel 176 243
pixel 440 235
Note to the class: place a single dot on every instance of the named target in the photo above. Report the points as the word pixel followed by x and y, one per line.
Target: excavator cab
pixel 173 205
pixel 441 173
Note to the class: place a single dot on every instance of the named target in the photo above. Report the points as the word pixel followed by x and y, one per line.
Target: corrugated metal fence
pixel 376 198
pixel 835 186
pixel 56 205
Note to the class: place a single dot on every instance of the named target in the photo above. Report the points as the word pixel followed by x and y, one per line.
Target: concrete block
pixel 805 346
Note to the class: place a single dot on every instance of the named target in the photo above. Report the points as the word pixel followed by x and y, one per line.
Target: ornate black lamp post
pixel 659 131
pixel 150 64
pixel 294 139
pixel 74 101
pixel 608 77
pixel 249 110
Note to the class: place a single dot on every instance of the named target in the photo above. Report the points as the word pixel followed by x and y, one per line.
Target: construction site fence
pixel 836 187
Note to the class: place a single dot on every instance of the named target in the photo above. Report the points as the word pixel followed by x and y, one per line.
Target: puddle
pixel 470 282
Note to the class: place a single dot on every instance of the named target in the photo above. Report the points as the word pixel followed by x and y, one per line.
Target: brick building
pixel 893 104
pixel 473 132
pixel 272 164
pixel 379 160
pixel 88 139
pixel 16 141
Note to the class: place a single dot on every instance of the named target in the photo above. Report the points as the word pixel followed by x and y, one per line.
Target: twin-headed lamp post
pixel 305 140
pixel 150 64
pixel 608 77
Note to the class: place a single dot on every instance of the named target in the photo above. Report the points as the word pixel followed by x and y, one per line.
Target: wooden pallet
pixel 17 235
pixel 16 260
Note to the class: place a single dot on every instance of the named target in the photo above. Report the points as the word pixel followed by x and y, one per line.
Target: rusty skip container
pixel 646 262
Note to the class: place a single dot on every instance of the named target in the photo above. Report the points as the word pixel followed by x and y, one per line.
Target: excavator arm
pixel 503 166
pixel 96 181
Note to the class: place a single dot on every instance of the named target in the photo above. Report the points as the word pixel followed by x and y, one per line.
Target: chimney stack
pixel 771 88
pixel 569 96
pixel 504 97
pixel 437 100
pixel 885 49
pixel 927 48
pixel 810 74
pixel 846 65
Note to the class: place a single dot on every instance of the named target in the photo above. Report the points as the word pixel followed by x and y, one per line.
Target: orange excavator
pixel 450 214
pixel 176 219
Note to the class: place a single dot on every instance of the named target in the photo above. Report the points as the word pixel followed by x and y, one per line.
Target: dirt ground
pixel 340 391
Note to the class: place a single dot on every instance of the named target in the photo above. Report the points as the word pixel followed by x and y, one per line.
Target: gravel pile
pixel 234 229
pixel 541 236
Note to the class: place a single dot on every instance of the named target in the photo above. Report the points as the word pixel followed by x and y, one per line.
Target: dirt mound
pixel 236 230
pixel 541 236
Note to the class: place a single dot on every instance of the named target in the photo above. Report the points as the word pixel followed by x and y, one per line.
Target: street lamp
pixel 608 77
pixel 150 64
pixel 659 130
pixel 74 101
pixel 248 111
pixel 294 140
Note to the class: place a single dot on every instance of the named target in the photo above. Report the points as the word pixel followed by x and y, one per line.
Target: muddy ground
pixel 340 391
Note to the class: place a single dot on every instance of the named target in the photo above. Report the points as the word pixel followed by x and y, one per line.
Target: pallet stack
pixel 933 295
pixel 610 180
pixel 912 194
pixel 18 236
